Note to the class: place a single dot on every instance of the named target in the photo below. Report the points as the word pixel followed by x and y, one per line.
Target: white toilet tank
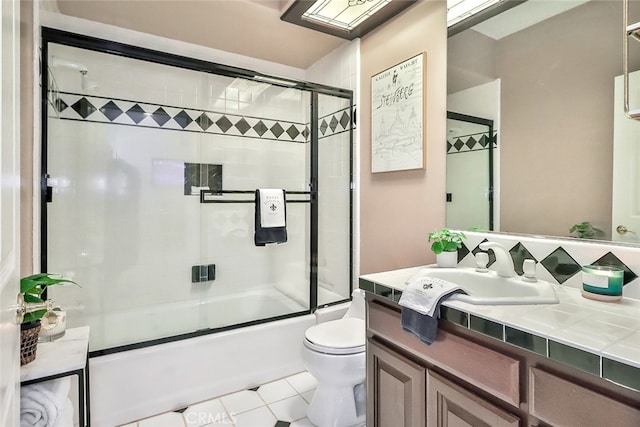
pixel 357 307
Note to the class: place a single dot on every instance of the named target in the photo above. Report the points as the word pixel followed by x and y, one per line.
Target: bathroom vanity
pixel 491 365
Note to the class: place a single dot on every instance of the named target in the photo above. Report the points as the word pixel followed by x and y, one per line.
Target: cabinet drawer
pixel 491 371
pixel 560 402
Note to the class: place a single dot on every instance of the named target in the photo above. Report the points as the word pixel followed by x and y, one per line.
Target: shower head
pixel 64 63
pixel 85 83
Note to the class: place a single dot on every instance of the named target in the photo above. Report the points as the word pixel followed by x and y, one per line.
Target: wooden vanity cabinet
pixel 467 379
pixel 406 394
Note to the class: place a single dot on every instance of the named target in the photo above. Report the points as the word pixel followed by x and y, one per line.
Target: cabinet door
pixel 395 389
pixel 452 406
pixel 560 402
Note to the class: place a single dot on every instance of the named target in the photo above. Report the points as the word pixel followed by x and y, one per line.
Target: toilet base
pixel 338 406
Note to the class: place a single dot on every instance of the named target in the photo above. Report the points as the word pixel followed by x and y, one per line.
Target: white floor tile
pixel 129 425
pixel 302 423
pixel 291 409
pixel 277 390
pixel 241 401
pixel 302 382
pixel 170 419
pixel 205 413
pixel 260 417
pixel 226 422
pixel 308 395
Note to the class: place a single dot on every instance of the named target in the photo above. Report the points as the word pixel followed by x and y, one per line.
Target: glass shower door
pixel 334 198
pixel 151 169
pixel 267 147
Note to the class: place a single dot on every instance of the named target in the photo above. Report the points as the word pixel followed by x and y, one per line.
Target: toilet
pixel 334 353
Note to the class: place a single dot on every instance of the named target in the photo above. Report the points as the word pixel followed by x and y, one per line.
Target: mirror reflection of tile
pixel 198 176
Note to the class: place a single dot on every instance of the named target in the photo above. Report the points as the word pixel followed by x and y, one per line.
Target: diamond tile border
pixel 559 263
pixel 335 123
pixel 98 109
pixel 474 142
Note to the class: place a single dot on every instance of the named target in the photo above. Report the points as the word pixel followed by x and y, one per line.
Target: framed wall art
pixel 397 117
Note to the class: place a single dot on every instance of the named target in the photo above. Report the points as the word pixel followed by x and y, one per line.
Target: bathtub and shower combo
pixel 149 165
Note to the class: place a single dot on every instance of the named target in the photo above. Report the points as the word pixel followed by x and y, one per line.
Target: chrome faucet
pixel 504 262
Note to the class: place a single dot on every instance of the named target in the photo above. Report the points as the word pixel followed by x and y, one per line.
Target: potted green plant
pixel 445 244
pixel 585 230
pixel 31 288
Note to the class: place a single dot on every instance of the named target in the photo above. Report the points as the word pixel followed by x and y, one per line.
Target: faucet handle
pixel 482 260
pixel 529 270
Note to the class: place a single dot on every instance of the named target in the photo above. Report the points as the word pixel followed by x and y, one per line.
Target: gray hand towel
pixel 421 325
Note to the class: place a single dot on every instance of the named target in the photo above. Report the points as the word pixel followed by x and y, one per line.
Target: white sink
pixel 490 289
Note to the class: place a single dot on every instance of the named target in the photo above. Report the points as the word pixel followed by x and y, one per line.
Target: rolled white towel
pixel 65 419
pixel 41 404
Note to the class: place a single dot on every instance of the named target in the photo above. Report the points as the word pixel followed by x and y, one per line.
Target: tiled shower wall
pixel 134 239
pixel 560 260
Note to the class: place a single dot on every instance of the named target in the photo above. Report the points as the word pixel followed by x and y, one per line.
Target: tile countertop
pixel 601 338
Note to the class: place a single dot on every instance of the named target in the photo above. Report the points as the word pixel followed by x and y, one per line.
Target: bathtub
pixel 124 327
pixel 134 384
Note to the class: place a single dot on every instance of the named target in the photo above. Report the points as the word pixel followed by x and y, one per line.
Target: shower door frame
pixel 51 35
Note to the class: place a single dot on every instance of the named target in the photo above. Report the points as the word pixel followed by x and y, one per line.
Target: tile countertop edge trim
pixel 393 294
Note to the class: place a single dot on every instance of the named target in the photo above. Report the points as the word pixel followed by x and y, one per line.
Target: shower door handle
pixel 49 194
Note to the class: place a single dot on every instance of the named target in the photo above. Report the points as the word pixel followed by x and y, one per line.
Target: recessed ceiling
pixel 247 27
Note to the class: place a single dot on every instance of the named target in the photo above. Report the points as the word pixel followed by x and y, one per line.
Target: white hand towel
pixel 272 208
pixel 422 295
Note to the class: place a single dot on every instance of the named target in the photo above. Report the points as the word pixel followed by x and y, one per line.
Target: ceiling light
pixel 343 18
pixel 343 14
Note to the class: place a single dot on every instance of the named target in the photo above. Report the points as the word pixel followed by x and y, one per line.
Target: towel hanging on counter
pixel 420 303
pixel 270 216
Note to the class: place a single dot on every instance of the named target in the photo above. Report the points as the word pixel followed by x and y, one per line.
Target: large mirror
pixel 547 73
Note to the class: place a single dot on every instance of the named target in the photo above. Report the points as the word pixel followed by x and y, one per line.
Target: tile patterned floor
pixel 281 403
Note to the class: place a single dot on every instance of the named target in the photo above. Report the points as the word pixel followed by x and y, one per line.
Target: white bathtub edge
pixel 136 384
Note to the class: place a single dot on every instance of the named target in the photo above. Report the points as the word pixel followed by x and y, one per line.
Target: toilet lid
pixel 342 336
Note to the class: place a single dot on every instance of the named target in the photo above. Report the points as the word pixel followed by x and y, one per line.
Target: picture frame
pixel 397 117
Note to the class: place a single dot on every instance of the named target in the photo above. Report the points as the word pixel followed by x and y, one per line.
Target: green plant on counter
pixel 585 230
pixel 32 287
pixel 446 240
